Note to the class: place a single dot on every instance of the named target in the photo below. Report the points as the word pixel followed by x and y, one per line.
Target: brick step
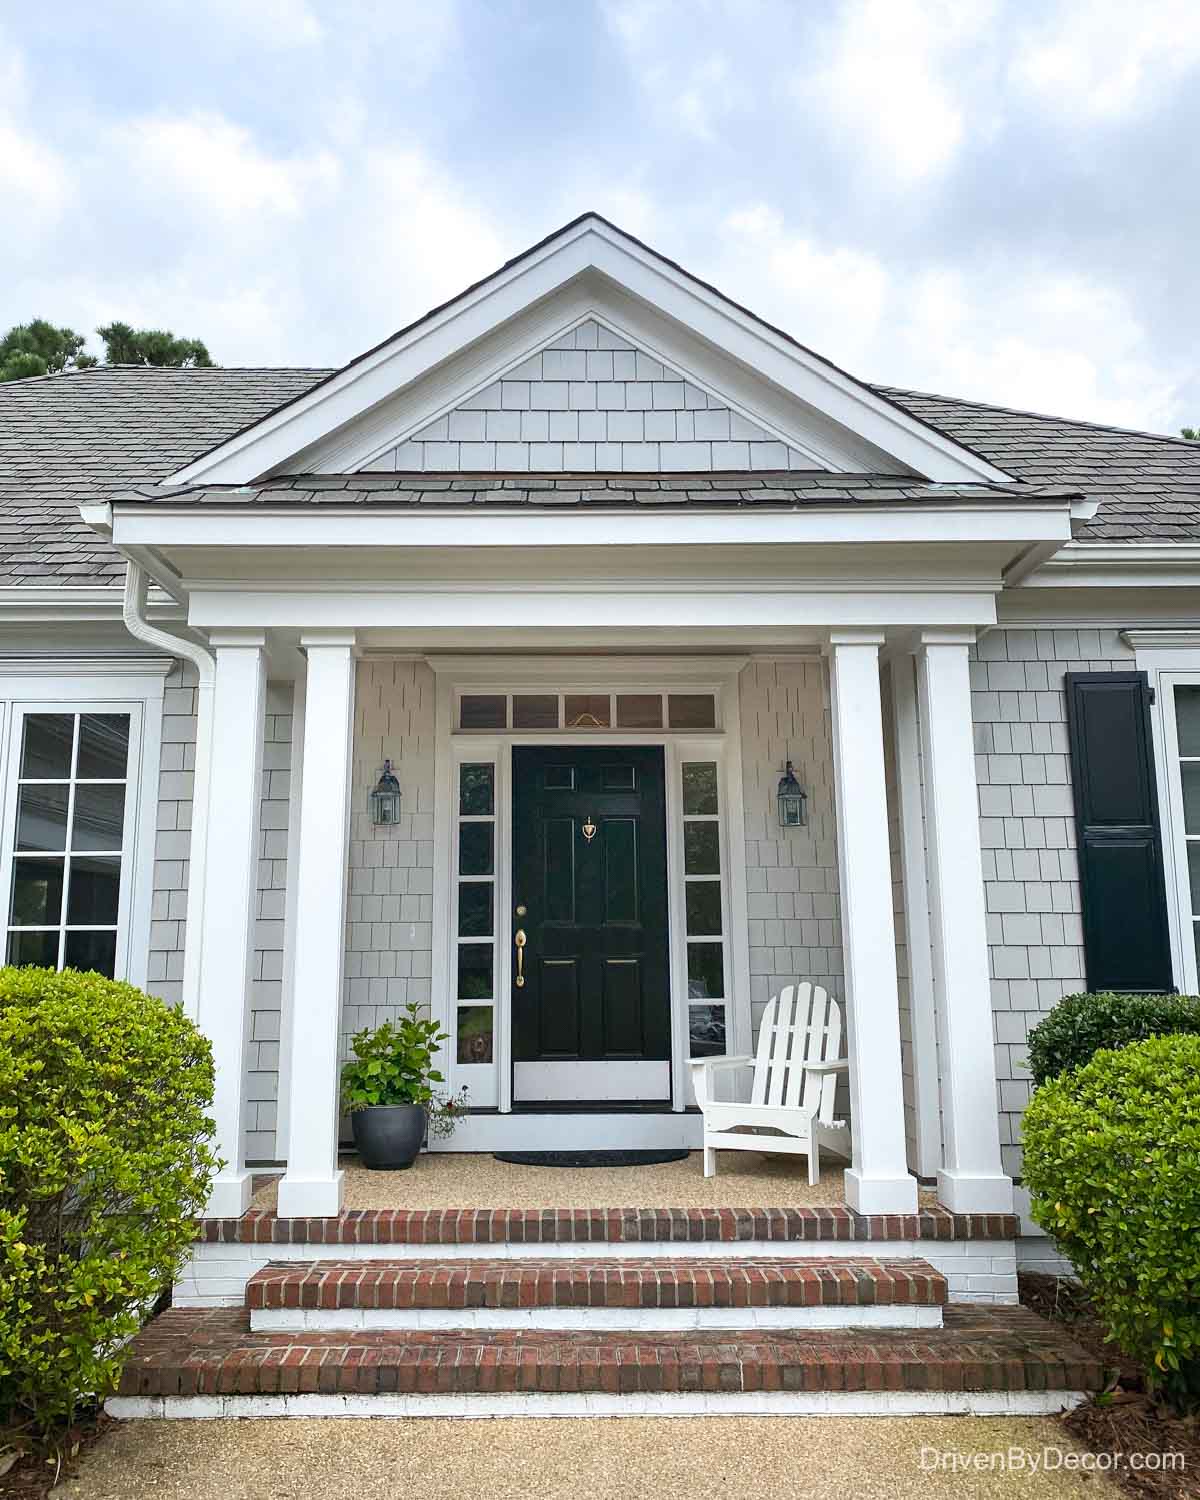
pixel 192 1362
pixel 576 1226
pixel 608 1293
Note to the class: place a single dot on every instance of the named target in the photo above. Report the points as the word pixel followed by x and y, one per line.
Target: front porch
pixel 880 895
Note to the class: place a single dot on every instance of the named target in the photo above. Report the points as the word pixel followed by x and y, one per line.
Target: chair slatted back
pixel 801 1024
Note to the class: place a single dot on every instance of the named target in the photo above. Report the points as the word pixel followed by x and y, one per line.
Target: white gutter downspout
pixel 133 610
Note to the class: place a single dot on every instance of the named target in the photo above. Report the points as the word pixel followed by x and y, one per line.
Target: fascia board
pixel 1120 565
pixel 454 610
pixel 165 526
pixel 590 245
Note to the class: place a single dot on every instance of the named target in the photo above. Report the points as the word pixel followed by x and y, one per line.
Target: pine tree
pixel 38 348
pixel 152 346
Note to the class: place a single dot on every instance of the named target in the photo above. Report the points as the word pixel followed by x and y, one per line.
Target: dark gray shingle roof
pixel 101 432
pixel 1148 484
pixel 65 439
pixel 778 489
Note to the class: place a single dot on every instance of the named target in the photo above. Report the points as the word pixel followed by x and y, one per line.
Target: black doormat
pixel 588 1158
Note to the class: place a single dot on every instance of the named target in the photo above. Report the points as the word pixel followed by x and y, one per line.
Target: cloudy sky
pixel 999 200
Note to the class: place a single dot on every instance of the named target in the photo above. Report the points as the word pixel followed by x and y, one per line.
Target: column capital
pixel 945 635
pixel 229 636
pixel 855 637
pixel 331 636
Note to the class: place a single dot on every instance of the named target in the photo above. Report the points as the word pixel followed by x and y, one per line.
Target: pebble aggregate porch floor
pixel 875 1458
pixel 477 1180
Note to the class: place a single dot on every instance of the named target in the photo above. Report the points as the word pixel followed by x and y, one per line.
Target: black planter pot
pixel 388 1136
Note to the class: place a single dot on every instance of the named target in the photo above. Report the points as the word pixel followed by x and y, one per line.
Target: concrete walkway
pixel 802 1459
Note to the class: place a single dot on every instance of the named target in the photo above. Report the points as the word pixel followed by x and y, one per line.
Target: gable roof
pixel 589 267
pixel 94 434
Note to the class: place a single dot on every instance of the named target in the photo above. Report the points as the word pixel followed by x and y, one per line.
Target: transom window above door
pixel 586 711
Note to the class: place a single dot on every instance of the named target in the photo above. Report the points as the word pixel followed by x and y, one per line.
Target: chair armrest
pixel 711 1064
pixel 840 1066
pixel 703 1069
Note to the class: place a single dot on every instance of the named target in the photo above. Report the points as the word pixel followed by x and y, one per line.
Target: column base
pixel 880 1195
pixel 310 1197
pixel 229 1196
pixel 975 1193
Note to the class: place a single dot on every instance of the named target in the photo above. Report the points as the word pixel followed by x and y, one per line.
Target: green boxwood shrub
pixel 1112 1162
pixel 104 1165
pixel 1080 1025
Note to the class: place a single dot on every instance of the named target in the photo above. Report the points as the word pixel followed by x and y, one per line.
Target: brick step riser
pixel 589 1319
pixel 983 1271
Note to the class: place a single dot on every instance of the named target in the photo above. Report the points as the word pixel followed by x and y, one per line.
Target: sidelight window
pixel 476 913
pixel 704 921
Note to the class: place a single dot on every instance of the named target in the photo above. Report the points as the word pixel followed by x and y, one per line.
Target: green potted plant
pixel 388 1089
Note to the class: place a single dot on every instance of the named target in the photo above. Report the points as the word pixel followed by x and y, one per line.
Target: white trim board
pixel 96 685
pixel 591 268
pixel 170 523
pixel 589 1319
pixel 639 1404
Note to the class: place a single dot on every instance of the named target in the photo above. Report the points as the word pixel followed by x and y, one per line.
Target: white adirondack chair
pixel 795 1079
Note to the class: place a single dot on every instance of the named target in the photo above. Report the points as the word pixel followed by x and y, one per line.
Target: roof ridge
pixel 104 368
pixel 1037 416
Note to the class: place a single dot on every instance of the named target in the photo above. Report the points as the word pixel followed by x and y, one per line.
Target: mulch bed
pixel 1124 1420
pixel 33 1478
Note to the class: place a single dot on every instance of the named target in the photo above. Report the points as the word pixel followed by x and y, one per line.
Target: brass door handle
pixel 519 940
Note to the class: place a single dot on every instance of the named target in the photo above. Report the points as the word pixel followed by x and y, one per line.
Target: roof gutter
pixel 133 612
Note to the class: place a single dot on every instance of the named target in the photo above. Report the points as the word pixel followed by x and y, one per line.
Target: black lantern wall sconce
pixel 385 798
pixel 792 800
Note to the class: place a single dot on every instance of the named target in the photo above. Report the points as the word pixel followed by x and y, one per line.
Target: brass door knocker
pixel 589 829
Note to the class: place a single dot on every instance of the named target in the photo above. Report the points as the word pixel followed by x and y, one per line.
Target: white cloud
pixel 269 257
pixel 830 297
pixel 892 79
pixel 272 23
pixel 35 182
pixel 679 53
pixel 1103 59
pixel 208 168
pixel 1030 335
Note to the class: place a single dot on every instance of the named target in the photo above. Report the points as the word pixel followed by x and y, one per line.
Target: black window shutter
pixel 1126 942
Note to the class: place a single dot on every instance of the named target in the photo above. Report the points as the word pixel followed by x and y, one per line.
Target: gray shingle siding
pixel 1027 829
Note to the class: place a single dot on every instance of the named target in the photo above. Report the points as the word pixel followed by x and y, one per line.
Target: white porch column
pixel 230 895
pixel 283 1113
pixel 972 1179
pixel 312 1185
pixel 921 1008
pixel 878 1182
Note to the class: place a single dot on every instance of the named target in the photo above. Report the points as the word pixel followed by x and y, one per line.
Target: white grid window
pixel 475 947
pixel 704 908
pixel 68 840
pixel 1187 729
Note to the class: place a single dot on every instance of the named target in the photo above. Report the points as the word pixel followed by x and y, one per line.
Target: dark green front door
pixel 592 1015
